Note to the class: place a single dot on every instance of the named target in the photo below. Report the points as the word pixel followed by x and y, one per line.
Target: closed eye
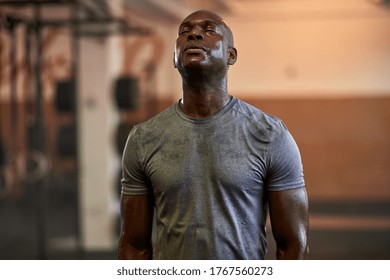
pixel 211 28
pixel 184 31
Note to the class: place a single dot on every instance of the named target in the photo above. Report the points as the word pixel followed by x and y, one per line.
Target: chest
pixel 206 158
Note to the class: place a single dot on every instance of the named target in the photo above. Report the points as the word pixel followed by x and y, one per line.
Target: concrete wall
pixel 311 48
pixel 344 143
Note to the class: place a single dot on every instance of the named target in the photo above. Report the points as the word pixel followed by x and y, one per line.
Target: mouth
pixel 194 49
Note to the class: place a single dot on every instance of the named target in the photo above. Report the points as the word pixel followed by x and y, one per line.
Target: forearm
pixel 297 250
pixel 128 252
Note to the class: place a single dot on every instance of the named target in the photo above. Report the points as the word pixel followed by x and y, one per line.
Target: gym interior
pixel 77 75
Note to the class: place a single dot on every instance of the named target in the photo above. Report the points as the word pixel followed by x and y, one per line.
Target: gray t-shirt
pixel 209 179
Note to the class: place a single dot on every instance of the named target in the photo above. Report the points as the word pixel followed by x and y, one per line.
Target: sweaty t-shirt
pixel 209 178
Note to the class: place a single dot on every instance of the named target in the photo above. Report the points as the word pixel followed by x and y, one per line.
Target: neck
pixel 202 99
pixel 204 92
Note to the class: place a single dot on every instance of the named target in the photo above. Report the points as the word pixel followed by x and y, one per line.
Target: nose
pixel 195 35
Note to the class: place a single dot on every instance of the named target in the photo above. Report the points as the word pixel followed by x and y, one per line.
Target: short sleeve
pixel 134 181
pixel 285 169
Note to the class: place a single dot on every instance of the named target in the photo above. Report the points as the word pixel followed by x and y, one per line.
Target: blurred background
pixel 76 75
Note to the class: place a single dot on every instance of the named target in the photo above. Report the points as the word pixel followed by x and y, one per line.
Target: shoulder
pixel 155 123
pixel 269 124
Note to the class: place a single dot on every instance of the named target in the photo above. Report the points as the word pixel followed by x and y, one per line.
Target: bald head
pixel 201 14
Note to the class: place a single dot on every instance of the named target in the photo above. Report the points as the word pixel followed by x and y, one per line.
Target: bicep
pixel 289 218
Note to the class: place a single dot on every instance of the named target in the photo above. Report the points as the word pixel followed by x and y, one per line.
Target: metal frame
pixel 84 17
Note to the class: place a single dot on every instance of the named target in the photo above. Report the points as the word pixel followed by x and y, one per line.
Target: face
pixel 204 40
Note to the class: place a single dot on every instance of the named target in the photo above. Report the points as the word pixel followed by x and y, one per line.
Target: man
pixel 211 166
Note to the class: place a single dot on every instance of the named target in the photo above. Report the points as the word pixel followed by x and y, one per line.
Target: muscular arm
pixel 289 220
pixel 137 219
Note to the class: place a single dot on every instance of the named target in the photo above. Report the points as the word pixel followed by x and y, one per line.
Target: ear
pixel 232 56
pixel 174 60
